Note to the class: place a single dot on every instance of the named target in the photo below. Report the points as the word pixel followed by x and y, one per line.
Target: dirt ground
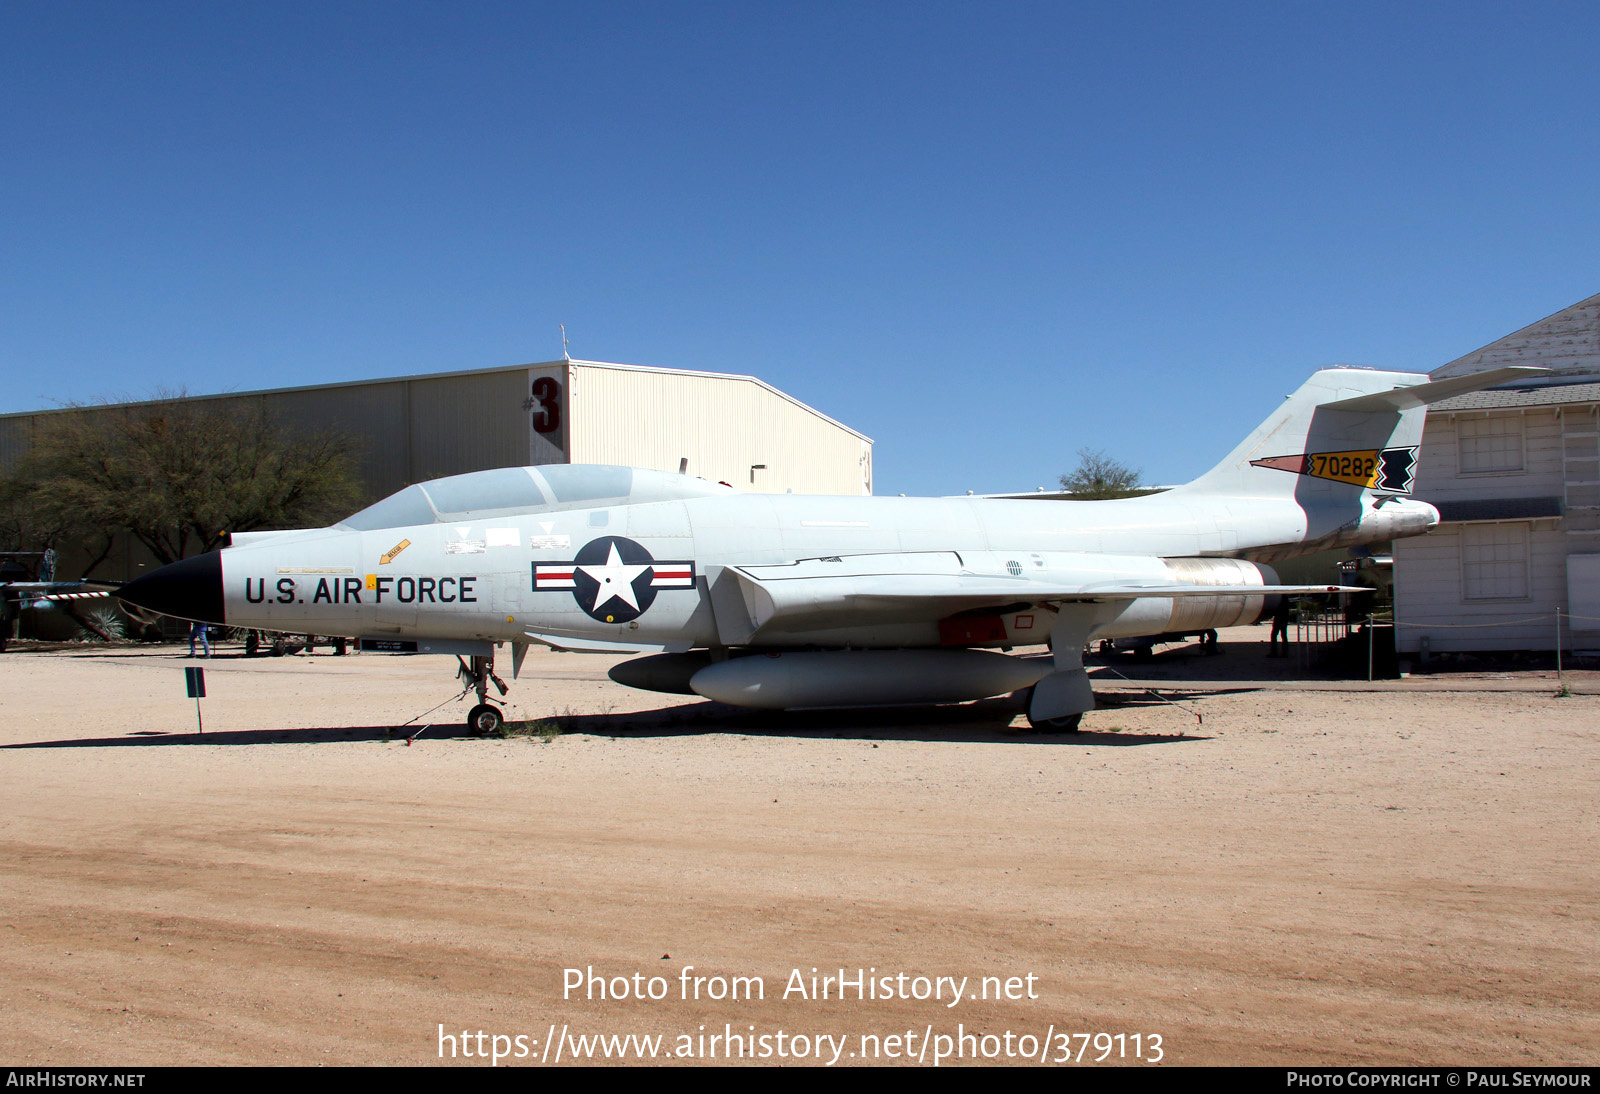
pixel 1241 869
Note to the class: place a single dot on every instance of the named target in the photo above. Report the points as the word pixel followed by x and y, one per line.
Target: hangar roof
pixel 463 372
pixel 1515 398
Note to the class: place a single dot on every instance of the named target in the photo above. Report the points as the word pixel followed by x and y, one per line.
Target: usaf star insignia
pixel 613 579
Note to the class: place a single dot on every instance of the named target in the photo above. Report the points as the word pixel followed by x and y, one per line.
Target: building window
pixel 1580 449
pixel 1490 444
pixel 1494 561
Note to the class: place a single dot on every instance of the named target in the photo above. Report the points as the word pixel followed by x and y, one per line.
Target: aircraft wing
pixel 915 589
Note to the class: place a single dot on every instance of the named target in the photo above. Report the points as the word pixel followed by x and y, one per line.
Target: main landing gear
pixel 484 719
pixel 1057 703
pixel 1067 723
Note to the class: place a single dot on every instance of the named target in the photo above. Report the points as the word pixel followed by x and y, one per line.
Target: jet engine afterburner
pixel 1187 614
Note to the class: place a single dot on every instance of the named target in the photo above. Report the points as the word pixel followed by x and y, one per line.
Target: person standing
pixel 1280 629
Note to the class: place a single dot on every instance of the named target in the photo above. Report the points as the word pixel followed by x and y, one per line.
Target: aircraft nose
pixel 188 589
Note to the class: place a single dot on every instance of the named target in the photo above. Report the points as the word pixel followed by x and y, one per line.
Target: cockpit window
pixel 514 490
pixel 447 499
pixel 408 507
pixel 587 482
pixel 502 488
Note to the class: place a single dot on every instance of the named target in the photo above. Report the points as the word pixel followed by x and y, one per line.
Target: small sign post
pixel 196 680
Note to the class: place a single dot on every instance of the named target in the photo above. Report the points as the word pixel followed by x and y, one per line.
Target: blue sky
pixel 986 235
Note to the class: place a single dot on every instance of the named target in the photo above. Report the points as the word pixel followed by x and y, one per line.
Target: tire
pixel 1067 724
pixel 485 720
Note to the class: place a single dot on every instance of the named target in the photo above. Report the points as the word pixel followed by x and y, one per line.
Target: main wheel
pixel 485 720
pixel 1066 724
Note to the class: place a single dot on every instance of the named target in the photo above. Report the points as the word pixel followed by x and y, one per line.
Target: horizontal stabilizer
pixel 1415 395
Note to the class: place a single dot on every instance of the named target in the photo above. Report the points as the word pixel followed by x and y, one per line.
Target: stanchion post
pixel 1559 680
pixel 195 681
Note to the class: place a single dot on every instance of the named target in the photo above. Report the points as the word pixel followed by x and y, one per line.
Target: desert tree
pixel 1098 476
pixel 179 474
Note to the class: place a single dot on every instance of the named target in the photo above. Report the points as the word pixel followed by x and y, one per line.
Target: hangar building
pixel 725 428
pixel 1515 475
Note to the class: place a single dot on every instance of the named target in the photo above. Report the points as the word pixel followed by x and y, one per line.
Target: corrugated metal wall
pixel 725 425
pixel 407 430
pixel 468 423
pixel 15 434
pixel 373 413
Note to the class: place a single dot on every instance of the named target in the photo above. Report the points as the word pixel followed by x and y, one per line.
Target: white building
pixel 733 429
pixel 1515 474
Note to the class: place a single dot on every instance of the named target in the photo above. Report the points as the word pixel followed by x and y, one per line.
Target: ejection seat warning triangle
pixel 195 678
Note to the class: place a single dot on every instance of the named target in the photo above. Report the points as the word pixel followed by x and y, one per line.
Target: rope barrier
pixel 1506 623
pixel 1472 626
pixel 1200 719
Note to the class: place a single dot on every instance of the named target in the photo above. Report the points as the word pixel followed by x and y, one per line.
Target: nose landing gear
pixel 484 719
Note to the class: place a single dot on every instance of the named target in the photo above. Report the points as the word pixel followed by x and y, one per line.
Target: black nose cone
pixel 189 589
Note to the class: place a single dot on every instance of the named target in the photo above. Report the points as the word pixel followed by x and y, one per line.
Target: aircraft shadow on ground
pixel 147 738
pixel 1139 694
pixel 988 721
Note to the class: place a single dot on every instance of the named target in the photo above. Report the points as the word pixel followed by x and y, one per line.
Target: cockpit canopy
pixel 508 491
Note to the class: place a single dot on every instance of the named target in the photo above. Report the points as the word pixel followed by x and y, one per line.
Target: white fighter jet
pixel 793 601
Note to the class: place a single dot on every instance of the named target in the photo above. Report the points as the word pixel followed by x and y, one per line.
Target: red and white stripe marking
pixel 672 575
pixel 664 575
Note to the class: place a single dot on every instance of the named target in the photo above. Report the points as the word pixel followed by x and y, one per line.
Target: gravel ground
pixel 1240 868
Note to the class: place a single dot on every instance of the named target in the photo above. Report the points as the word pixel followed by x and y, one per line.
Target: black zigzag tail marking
pixel 1395 467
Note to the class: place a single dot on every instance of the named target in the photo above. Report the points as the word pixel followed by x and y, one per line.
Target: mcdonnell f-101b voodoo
pixel 793 601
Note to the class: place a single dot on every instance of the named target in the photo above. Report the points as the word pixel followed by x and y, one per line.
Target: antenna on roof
pixel 565 356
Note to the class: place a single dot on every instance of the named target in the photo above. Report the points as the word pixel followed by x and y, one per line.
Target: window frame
pixel 1524 545
pixel 1462 422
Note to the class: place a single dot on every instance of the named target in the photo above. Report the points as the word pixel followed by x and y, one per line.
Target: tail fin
pixel 1346 430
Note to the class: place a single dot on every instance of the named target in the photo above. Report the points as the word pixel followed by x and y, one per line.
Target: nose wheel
pixel 485 719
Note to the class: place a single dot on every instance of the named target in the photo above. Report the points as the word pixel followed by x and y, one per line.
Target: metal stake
pixel 1558 649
